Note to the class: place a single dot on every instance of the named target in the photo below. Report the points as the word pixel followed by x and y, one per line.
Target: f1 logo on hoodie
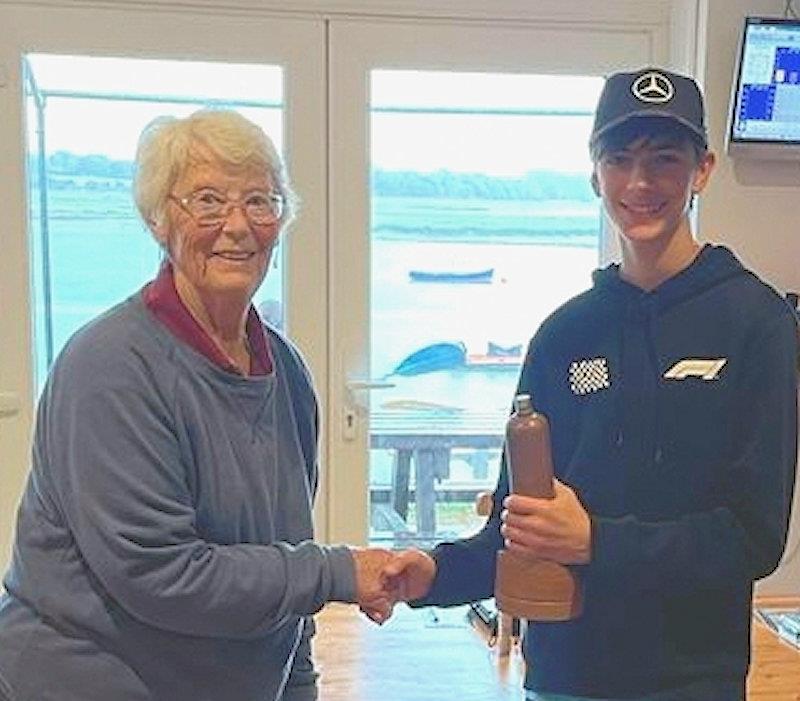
pixel 704 368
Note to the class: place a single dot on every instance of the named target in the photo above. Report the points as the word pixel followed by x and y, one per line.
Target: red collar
pixel 161 298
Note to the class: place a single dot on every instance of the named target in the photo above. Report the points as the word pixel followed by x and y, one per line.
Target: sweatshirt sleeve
pixel 108 437
pixel 745 537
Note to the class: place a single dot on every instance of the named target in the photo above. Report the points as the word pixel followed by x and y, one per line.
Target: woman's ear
pixel 159 226
pixel 595 184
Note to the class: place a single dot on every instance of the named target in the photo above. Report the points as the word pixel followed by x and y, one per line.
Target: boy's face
pixel 647 186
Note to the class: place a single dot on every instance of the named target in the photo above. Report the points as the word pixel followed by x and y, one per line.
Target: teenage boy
pixel 671 392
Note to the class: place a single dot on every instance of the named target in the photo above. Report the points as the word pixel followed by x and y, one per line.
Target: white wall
pixel 753 207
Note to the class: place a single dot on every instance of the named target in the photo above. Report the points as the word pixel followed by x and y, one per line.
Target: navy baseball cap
pixel 649 92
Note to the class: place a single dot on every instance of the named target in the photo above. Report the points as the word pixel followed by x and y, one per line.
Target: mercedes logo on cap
pixel 653 87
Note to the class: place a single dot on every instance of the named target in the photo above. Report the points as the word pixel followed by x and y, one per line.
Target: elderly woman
pixel 164 541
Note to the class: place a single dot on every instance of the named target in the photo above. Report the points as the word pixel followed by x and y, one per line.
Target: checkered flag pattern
pixel 587 376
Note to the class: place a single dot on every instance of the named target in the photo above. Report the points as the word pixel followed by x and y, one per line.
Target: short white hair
pixel 168 147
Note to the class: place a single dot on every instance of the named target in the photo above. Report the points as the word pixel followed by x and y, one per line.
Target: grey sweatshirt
pixel 164 540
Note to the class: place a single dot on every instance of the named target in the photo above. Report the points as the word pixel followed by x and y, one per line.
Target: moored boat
pixel 450 276
pixel 496 356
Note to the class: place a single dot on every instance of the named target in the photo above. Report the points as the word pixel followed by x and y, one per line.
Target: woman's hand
pixel 374 598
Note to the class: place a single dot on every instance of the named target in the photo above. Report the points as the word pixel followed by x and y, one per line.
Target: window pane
pixel 483 221
pixel 89 248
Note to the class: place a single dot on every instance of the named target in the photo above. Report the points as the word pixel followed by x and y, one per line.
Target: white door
pixel 75 90
pixel 461 215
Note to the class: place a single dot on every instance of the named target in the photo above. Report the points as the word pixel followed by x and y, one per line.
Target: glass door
pixel 470 219
pixel 473 241
pixel 89 247
pixel 81 88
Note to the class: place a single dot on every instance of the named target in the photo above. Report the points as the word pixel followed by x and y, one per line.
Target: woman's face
pixel 226 259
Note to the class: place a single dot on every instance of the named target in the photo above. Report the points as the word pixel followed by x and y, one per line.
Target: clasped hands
pixel 384 577
pixel 557 529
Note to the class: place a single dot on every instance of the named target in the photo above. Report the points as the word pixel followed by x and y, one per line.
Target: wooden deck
pixel 424 439
pixel 436 429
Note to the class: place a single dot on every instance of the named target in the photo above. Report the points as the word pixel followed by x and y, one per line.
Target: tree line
pixel 534 185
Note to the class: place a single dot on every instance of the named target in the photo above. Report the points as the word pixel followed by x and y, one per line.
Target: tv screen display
pixel 765 104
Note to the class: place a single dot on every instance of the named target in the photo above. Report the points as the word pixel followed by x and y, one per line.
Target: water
pixel 541 253
pixel 530 281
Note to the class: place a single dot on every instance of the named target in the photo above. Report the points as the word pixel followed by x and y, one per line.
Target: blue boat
pixel 496 350
pixel 437 356
pixel 469 277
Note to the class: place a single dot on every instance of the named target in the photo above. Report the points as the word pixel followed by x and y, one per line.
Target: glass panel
pixel 483 221
pixel 89 249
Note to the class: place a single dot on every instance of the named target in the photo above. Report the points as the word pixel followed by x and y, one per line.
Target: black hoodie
pixel 674 417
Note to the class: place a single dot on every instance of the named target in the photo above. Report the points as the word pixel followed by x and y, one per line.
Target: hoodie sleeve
pixel 744 538
pixel 465 569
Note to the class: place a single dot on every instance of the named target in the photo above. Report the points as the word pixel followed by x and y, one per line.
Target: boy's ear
pixel 703 172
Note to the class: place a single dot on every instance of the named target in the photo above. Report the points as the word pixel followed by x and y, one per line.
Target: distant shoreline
pixel 569 240
pixel 566 223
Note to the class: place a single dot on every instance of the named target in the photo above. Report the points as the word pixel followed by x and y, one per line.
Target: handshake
pixel 384 577
pixel 557 529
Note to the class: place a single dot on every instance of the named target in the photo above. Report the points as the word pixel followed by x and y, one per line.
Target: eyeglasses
pixel 210 207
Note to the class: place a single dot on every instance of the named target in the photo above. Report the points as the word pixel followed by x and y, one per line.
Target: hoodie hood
pixel 713 266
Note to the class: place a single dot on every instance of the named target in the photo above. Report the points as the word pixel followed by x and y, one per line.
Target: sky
pixel 410 137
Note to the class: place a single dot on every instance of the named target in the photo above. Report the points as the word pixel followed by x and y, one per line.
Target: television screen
pixel 765 103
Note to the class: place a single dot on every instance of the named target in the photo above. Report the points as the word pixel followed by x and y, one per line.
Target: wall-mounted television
pixel 764 120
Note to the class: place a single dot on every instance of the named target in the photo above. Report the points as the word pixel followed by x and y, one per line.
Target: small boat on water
pixel 450 276
pixel 506 351
pixel 453 355
pixel 496 356
pixel 484 360
pixel 437 356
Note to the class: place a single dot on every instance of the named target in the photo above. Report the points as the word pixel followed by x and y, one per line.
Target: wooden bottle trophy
pixel 538 590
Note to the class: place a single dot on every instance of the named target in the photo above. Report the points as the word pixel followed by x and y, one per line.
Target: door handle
pixel 9 404
pixel 354 407
pixel 355 389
